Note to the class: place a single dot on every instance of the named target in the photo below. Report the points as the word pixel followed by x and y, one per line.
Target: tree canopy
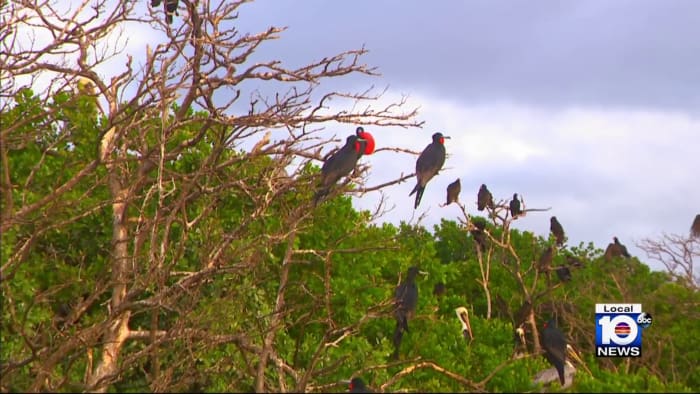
pixel 159 233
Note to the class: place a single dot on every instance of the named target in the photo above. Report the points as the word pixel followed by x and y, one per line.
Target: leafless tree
pixel 680 255
pixel 151 112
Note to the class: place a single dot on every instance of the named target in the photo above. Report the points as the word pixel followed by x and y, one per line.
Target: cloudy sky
pixel 591 108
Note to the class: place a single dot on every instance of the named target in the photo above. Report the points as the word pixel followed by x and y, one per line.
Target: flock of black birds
pixel 343 161
pixel 428 165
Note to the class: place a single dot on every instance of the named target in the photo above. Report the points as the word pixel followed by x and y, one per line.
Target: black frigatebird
pixel 546 259
pixel 339 164
pixel 556 229
pixel 170 8
pixel 554 345
pixel 484 198
pixel 563 273
pixel 515 210
pixel 429 163
pixel 361 133
pixel 616 249
pixel 453 190
pixel 479 234
pixel 406 300
pixel 357 385
pixel 695 227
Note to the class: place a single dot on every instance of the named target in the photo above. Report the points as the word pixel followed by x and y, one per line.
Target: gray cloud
pixel 595 53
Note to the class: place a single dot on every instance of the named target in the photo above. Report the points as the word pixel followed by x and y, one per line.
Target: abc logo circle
pixel 644 320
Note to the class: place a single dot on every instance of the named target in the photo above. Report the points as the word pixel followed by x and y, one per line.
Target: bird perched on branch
pixel 546 259
pixel 515 210
pixel 361 133
pixel 429 163
pixel 170 8
pixel 554 345
pixel 463 316
pixel 479 235
pixel 695 227
pixel 405 300
pixel 484 198
pixel 357 385
pixel 556 229
pixel 616 249
pixel 339 164
pixel 563 273
pixel 453 190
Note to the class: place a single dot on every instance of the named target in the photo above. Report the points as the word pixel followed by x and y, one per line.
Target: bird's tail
pixel 398 335
pixel 560 371
pixel 419 193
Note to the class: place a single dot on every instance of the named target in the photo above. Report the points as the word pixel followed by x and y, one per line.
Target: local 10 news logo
pixel 618 329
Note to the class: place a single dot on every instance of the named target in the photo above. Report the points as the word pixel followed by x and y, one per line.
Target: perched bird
pixel 545 261
pixel 616 249
pixel 439 289
pixel 556 229
pixel 357 385
pixel 520 341
pixel 339 164
pixel 515 210
pixel 453 190
pixel 361 133
pixel 484 198
pixel 563 273
pixel 554 345
pixel 463 316
pixel 479 235
pixel 405 299
pixel 170 8
pixel 695 228
pixel 429 163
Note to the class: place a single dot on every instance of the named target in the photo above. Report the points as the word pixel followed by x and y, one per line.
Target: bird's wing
pixel 429 159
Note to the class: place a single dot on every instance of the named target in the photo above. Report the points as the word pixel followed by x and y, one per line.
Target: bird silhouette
pixel 361 133
pixel 695 228
pixel 554 345
pixel 439 289
pixel 545 261
pixel 405 300
pixel 479 235
pixel 339 164
pixel 429 163
pixel 453 190
pixel 357 385
pixel 563 273
pixel 170 8
pixel 515 210
pixel 556 229
pixel 616 249
pixel 484 198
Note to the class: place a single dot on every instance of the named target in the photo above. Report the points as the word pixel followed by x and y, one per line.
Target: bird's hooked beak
pixel 424 273
pixel 346 381
pixel 463 315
